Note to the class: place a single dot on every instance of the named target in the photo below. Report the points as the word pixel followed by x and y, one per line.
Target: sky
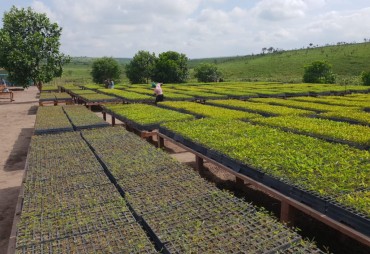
pixel 200 28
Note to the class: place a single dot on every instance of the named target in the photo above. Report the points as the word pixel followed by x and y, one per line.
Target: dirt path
pixel 17 120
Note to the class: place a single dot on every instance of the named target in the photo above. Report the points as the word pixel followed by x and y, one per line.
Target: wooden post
pixel 104 116
pixel 286 213
pixel 113 121
pixel 199 163
pixel 160 141
pixel 239 181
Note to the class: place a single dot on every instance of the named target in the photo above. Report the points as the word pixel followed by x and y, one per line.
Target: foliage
pixel 207 72
pixel 171 67
pixel 207 110
pixel 98 97
pixel 316 165
pixel 318 107
pixel 147 114
pixel 318 72
pixel 29 47
pixel 260 108
pixel 343 132
pixel 140 69
pixel 350 115
pixel 336 100
pixel 93 86
pixel 365 77
pixel 186 212
pixel 169 95
pixel 105 68
pixel 126 95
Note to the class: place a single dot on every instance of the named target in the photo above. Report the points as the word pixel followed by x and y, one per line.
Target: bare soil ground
pixel 17 120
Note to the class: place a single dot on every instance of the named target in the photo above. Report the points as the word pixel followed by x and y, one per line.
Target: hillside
pixel 348 61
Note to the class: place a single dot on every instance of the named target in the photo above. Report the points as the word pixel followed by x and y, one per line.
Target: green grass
pixel 348 62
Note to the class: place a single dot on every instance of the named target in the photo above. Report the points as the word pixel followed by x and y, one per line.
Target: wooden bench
pixel 6 94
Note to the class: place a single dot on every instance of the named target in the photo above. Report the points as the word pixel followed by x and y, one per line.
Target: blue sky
pixel 200 28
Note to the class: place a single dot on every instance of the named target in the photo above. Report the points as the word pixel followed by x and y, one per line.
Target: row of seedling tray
pixel 76 209
pixel 285 161
pixel 185 212
pixel 154 204
pixel 66 118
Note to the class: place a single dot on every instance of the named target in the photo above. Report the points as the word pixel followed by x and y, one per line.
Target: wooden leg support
pixel 113 121
pixel 239 181
pixel 105 116
pixel 286 213
pixel 160 142
pixel 199 163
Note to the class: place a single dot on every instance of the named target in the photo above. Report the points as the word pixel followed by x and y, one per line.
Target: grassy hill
pixel 348 61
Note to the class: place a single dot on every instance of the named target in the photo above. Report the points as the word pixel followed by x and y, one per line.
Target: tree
pixel 318 72
pixel 206 72
pixel 105 68
pixel 140 69
pixel 29 47
pixel 171 67
pixel 365 77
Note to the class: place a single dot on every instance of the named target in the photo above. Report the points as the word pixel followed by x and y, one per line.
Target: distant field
pixel 348 62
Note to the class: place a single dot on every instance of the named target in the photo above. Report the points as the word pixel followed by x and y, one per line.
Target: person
pixel 106 83
pixel 111 83
pixel 4 87
pixel 158 93
pixel 153 85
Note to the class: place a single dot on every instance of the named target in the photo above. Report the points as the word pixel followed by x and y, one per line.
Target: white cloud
pixel 337 26
pixel 39 6
pixel 275 10
pixel 201 28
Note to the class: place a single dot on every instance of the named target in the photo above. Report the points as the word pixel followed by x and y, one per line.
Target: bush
pixel 171 67
pixel 318 72
pixel 105 68
pixel 207 72
pixel 365 77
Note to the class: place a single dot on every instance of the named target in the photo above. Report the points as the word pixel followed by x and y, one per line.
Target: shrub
pixel 318 72
pixel 365 77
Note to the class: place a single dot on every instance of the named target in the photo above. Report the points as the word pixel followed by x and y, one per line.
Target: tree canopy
pixel 140 69
pixel 105 68
pixel 318 72
pixel 29 47
pixel 207 72
pixel 171 67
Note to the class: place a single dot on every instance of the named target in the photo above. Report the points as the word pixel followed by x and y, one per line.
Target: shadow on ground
pixel 32 110
pixel 18 155
pixel 7 210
